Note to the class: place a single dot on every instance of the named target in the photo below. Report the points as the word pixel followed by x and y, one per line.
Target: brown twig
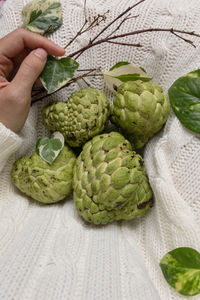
pixel 91 42
pixel 73 80
pixel 182 38
pixel 120 24
pixel 125 44
pixel 136 32
pixel 96 21
pixel 171 30
pixel 78 33
pixel 94 75
pixel 86 70
pixel 117 18
pixel 87 83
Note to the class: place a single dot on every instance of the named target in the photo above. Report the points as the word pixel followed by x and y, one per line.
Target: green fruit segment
pixel 110 181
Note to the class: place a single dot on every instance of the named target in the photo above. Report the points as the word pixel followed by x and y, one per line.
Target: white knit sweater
pixel 49 252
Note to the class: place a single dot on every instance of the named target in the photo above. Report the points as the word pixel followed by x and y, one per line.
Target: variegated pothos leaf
pixel 181 269
pixel 57 72
pixel 122 72
pixel 42 16
pixel 49 148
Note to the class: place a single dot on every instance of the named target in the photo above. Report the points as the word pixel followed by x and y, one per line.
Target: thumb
pixel 30 69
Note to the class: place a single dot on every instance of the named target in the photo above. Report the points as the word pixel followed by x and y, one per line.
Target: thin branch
pixel 96 21
pixel 86 82
pixel 125 44
pixel 78 33
pixel 106 27
pixel 86 70
pixel 73 80
pixel 182 38
pixel 94 75
pixel 117 18
pixel 171 30
pixel 120 24
pixel 105 40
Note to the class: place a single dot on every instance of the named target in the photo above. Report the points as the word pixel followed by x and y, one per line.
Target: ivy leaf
pixel 57 72
pixel 184 96
pixel 49 148
pixel 123 71
pixel 42 16
pixel 181 269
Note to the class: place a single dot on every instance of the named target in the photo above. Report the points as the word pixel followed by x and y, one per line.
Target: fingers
pixel 15 42
pixel 19 58
pixel 4 84
pixel 29 71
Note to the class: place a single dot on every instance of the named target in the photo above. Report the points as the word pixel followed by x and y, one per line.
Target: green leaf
pixel 119 64
pixel 123 72
pixel 181 269
pixel 57 72
pixel 49 148
pixel 143 70
pixel 42 16
pixel 184 96
pixel 131 77
pixel 34 15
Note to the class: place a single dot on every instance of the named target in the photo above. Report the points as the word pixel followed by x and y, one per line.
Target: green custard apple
pixel 43 182
pixel 85 115
pixel 140 109
pixel 110 181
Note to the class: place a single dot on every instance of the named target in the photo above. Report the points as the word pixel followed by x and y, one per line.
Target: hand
pixel 15 96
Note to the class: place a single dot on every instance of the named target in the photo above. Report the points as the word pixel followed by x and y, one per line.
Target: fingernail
pixel 41 53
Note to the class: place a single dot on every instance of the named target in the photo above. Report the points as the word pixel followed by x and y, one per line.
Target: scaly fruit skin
pixel 84 116
pixel 43 182
pixel 140 109
pixel 110 181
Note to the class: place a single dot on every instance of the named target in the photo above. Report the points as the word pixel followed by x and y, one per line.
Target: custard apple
pixel 110 181
pixel 84 116
pixel 140 109
pixel 43 182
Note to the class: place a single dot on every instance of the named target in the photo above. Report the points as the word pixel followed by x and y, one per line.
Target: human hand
pixel 15 96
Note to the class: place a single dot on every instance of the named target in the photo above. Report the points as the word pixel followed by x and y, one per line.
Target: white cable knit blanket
pixel 49 252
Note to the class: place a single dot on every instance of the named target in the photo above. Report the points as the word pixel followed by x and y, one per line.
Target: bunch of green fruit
pixel 108 178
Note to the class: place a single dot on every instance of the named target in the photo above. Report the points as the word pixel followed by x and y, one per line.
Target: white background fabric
pixel 49 252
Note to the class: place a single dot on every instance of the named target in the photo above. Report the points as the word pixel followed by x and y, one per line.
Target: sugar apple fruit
pixel 110 181
pixel 43 182
pixel 85 115
pixel 140 109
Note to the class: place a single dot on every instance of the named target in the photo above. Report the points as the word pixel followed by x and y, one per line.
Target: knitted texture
pixel 2 2
pixel 49 252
